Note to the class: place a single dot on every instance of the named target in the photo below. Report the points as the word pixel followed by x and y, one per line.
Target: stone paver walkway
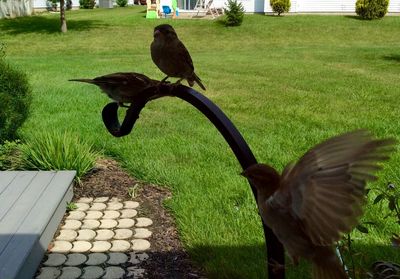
pixel 102 238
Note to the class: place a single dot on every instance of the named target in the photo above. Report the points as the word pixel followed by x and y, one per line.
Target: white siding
pixel 394 6
pixel 14 8
pixel 41 4
pixel 297 6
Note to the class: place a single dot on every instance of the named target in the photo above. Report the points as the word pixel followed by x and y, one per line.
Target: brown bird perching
pixel 171 56
pixel 320 197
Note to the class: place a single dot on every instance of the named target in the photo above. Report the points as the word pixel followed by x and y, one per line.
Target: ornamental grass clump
pixel 58 151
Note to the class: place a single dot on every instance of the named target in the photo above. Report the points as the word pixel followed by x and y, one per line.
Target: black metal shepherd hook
pixel 275 252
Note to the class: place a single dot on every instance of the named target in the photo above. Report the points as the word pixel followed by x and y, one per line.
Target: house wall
pixel 41 4
pixel 14 8
pixel 308 6
pixel 262 6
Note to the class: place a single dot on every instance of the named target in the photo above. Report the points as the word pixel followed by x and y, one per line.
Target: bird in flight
pixel 313 202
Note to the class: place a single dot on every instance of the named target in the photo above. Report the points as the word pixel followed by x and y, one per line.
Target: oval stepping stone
pixel 120 246
pixel 86 234
pixel 48 273
pixel 108 224
pixel 93 214
pixel 90 224
pixel 117 258
pixel 136 258
pixel 114 206
pixel 111 214
pixel 114 199
pixel 92 272
pixel 75 259
pixel 85 200
pixel 114 272
pixel 96 258
pixel 55 259
pixel 131 204
pixel 98 206
pixel 82 206
pixel 104 234
pixel 125 223
pixel 81 246
pixel 123 233
pixel 142 233
pixel 128 213
pixel 100 246
pixel 76 215
pixel 61 246
pixel 140 244
pixel 143 222
pixel 101 199
pixel 70 272
pixel 67 235
pixel 71 225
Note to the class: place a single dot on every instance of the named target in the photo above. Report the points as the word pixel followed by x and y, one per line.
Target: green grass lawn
pixel 286 82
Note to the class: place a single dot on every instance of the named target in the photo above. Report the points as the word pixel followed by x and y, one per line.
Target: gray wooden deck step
pixel 32 204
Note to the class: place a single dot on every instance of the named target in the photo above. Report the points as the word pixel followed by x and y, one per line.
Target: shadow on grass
pixel 354 17
pixel 392 57
pixel 43 24
pixel 250 262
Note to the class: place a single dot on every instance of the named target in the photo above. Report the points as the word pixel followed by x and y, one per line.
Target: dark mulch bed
pixel 167 259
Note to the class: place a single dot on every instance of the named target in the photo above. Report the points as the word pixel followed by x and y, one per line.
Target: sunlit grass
pixel 287 83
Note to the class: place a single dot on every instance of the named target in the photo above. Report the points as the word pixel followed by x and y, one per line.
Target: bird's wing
pixel 123 78
pixel 326 186
pixel 185 55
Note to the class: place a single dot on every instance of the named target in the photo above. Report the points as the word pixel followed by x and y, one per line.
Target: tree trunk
pixel 62 16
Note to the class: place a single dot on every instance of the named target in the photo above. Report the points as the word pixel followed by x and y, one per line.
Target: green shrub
pixel 15 99
pixel 122 3
pixel 87 4
pixel 10 155
pixel 280 6
pixel 372 9
pixel 234 13
pixel 58 151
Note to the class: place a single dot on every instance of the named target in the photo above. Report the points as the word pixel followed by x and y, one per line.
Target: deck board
pixel 34 205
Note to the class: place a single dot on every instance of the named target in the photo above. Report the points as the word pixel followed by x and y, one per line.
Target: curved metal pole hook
pixel 275 252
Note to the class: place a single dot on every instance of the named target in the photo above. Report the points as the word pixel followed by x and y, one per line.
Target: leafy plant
pixel 58 151
pixel 280 6
pixel 372 9
pixel 132 190
pixel 234 13
pixel 87 4
pixel 122 3
pixel 15 100
pixel 9 155
pixel 390 195
pixel 71 206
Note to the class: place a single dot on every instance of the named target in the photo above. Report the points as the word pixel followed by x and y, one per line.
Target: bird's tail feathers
pixel 329 270
pixel 197 80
